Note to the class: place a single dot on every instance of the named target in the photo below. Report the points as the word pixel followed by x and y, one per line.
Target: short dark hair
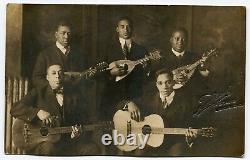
pixel 180 29
pixel 130 21
pixel 55 64
pixel 62 23
pixel 163 71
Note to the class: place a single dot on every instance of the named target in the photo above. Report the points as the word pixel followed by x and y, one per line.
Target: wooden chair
pixel 15 89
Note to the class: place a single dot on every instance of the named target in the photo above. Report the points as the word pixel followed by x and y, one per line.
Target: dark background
pixel 30 29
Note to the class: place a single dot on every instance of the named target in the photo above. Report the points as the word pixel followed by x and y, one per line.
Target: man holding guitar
pixel 175 108
pixel 54 105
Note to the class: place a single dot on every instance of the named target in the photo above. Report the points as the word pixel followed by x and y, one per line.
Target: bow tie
pixel 58 91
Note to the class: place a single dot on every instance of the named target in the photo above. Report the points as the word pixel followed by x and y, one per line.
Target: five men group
pixel 52 96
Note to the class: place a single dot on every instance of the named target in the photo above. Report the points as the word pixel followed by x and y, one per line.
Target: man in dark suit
pixel 55 100
pixel 176 109
pixel 123 48
pixel 179 56
pixel 62 52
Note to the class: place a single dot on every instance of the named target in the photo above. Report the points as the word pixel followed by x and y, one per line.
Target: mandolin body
pixel 130 64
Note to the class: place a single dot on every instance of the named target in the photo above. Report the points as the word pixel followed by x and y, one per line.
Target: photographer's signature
pixel 216 102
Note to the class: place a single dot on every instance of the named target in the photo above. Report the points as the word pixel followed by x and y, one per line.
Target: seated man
pixel 174 107
pixel 55 100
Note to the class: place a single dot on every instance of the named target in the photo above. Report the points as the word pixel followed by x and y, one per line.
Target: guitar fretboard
pixel 180 131
pixel 61 130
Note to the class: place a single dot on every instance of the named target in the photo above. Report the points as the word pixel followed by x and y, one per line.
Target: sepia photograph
pixel 125 80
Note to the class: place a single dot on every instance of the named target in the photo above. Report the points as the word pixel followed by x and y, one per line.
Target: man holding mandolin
pixel 54 105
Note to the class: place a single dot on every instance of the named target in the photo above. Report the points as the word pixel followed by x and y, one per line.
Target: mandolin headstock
pixel 155 54
pixel 211 52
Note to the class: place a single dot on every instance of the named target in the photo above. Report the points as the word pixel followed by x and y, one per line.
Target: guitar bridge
pixel 26 133
pixel 128 128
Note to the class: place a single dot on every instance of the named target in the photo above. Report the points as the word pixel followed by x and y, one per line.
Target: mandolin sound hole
pixel 44 131
pixel 146 129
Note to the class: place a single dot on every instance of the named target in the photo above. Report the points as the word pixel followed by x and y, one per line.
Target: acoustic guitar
pixel 28 135
pixel 152 125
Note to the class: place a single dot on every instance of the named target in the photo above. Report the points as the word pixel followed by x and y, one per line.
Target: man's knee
pixel 45 148
pixel 88 149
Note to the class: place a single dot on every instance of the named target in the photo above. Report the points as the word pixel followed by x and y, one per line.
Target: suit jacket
pixel 177 115
pixel 72 112
pixel 74 61
pixel 128 88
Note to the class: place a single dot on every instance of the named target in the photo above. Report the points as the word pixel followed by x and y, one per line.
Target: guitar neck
pixel 62 130
pixel 175 131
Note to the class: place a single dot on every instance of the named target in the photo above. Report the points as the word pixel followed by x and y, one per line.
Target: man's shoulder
pixel 48 50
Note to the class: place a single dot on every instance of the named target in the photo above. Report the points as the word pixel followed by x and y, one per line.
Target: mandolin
pixel 154 55
pixel 89 73
pixel 28 135
pixel 188 70
pixel 152 125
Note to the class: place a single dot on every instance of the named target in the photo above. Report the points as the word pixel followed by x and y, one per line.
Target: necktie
pixel 165 104
pixel 67 50
pixel 125 50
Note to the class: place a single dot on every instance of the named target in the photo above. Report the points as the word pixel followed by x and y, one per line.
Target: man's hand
pixel 134 110
pixel 144 64
pixel 190 136
pixel 181 78
pixel 76 131
pixel 119 70
pixel 45 117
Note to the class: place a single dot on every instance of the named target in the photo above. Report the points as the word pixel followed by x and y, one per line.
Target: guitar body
pixel 122 120
pixel 27 136
pixel 153 126
pixel 131 65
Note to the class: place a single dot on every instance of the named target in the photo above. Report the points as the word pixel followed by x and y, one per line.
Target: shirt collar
pixel 128 42
pixel 62 48
pixel 177 54
pixel 168 99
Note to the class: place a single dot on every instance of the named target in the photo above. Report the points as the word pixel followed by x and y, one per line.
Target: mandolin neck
pixel 194 65
pixel 145 59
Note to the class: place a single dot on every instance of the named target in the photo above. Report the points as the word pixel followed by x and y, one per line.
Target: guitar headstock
pixel 155 54
pixel 208 132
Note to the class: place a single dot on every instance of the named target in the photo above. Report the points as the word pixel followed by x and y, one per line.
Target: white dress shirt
pixel 59 97
pixel 178 54
pixel 128 42
pixel 167 100
pixel 62 48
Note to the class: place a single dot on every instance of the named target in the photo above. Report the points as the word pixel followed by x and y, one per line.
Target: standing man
pixel 123 48
pixel 41 104
pixel 61 52
pixel 179 55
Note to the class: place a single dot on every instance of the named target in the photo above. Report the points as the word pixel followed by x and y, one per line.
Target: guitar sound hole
pixel 146 129
pixel 44 131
